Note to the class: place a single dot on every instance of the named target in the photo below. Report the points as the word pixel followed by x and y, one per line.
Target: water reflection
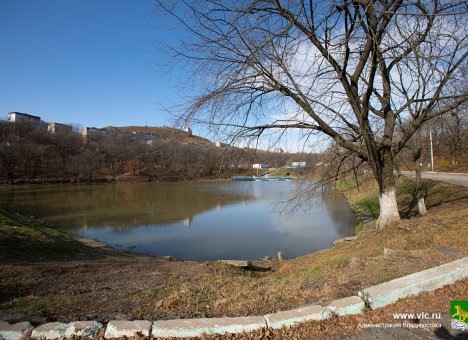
pixel 193 221
pixel 121 205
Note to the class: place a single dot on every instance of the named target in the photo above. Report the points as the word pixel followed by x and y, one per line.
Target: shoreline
pixel 62 279
pixel 94 243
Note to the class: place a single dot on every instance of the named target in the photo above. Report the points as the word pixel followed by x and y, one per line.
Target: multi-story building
pixel 188 130
pixel 299 165
pixel 19 117
pixel 16 117
pixel 92 132
pixel 59 128
pixel 221 145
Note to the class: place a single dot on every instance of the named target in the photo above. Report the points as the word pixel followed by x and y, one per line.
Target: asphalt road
pixel 459 179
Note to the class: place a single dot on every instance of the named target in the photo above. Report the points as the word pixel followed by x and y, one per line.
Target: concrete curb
pixel 54 330
pixel 389 292
pixel 15 331
pixel 184 328
pixel 376 297
pixel 293 316
pixel 346 306
pixel 123 328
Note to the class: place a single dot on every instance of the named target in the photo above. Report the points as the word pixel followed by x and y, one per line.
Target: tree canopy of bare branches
pixel 354 70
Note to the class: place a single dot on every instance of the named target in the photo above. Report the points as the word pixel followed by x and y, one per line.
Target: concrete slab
pixel 293 316
pixel 346 306
pixel 196 327
pixel 121 328
pixel 259 265
pixel 340 240
pixel 14 331
pixel 236 263
pixel 49 331
pixel 88 329
pixel 389 292
pixel 350 238
pixel 449 251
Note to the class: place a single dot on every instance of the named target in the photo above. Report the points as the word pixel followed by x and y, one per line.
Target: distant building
pixel 16 117
pixel 188 130
pixel 59 128
pixel 148 138
pixel 19 117
pixel 92 132
pixel 299 165
pixel 278 150
pixel 221 145
pixel 260 166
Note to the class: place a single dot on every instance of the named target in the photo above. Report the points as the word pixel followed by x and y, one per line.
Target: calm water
pixel 202 221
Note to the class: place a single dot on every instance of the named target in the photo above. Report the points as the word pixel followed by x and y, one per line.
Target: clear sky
pixel 90 62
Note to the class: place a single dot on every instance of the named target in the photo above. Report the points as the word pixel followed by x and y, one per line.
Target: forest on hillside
pixel 32 155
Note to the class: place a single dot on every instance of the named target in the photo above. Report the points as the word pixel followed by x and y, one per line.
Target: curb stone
pixel 427 280
pixel 377 296
pixel 14 331
pixel 54 330
pixel 121 328
pixel 196 327
pixel 88 329
pixel 346 306
pixel 293 316
pixel 49 331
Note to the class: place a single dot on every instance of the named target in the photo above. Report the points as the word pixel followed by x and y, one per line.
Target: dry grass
pixel 338 272
pixel 153 289
pixel 347 327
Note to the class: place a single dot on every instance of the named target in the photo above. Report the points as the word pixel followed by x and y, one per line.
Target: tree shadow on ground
pixel 443 333
pixel 435 194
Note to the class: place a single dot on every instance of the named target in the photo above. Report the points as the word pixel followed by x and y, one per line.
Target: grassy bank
pixel 24 238
pixel 364 200
pixel 59 279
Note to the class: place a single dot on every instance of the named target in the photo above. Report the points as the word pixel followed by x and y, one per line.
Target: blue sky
pixel 94 63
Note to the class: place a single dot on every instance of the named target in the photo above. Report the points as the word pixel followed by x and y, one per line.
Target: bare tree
pixel 451 136
pixel 416 148
pixel 334 67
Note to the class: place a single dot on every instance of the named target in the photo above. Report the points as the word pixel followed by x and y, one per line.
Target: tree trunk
pixel 417 169
pixel 421 204
pixel 387 193
pixel 388 208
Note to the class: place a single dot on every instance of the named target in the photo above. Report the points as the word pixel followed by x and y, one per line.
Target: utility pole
pixel 432 150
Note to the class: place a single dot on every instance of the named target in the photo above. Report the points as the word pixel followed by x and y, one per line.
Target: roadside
pixel 47 276
pixel 454 178
pixel 366 326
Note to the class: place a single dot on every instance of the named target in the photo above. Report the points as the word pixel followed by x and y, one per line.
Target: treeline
pixel 449 146
pixel 449 143
pixel 32 155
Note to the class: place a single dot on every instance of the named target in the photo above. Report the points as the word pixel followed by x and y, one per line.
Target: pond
pixel 194 221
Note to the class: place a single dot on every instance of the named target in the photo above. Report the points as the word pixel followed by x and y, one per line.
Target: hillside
pixel 165 133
